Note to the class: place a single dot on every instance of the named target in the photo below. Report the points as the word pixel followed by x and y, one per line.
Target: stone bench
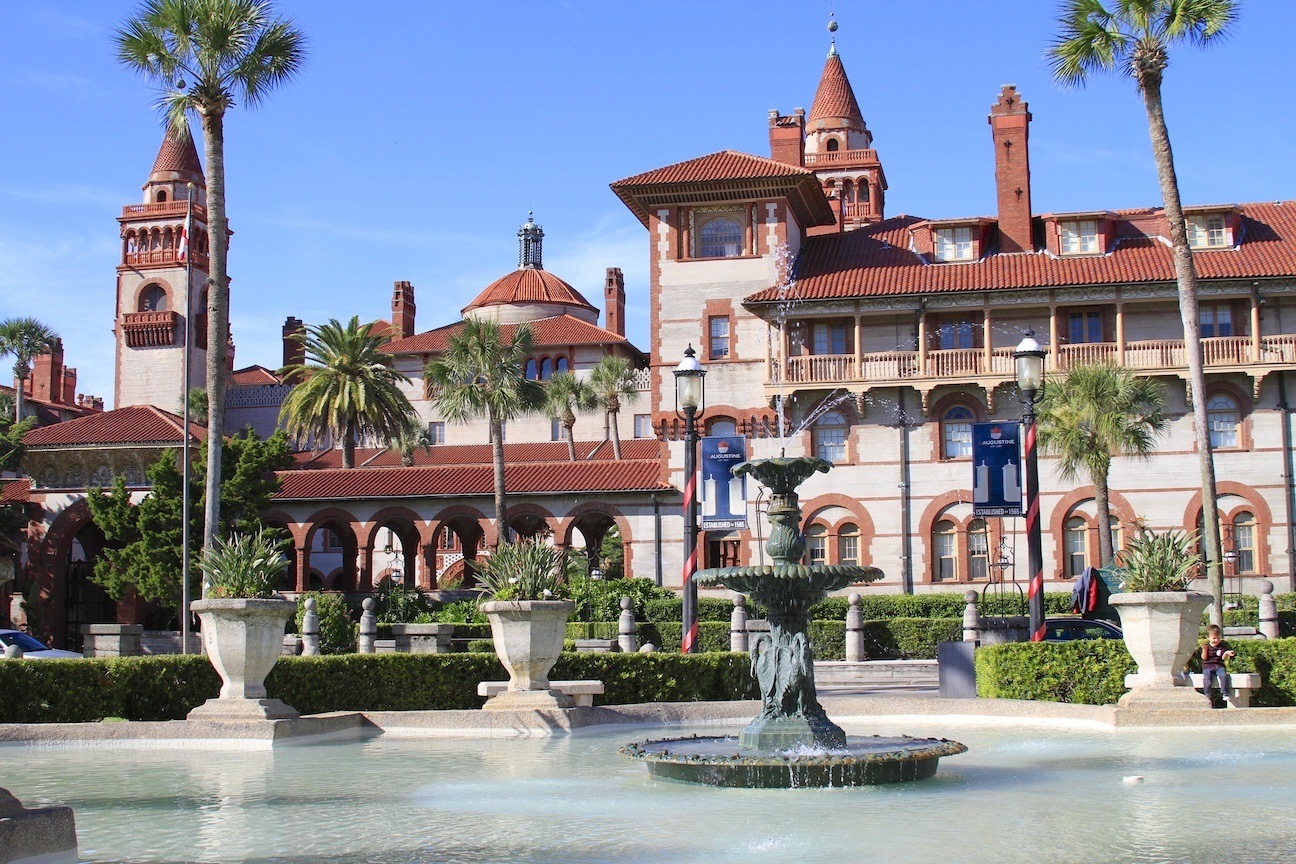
pixel 581 692
pixel 1240 686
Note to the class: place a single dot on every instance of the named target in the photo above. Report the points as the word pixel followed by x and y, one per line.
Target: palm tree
pixel 26 339
pixel 565 394
pixel 1135 36
pixel 413 437
pixel 613 380
pixel 1092 414
pixel 482 375
pixel 206 56
pixel 346 387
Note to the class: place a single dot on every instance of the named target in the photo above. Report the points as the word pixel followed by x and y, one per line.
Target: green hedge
pixel 1092 671
pixel 168 687
pixel 672 610
pixel 945 604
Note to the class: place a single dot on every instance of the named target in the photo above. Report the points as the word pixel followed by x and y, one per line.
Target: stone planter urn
pixel 243 639
pixel 1161 631
pixel 528 636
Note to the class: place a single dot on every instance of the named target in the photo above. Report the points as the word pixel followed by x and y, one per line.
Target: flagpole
pixel 185 470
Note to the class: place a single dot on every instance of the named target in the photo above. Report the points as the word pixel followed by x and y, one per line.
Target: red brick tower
pixel 1010 124
pixel 614 301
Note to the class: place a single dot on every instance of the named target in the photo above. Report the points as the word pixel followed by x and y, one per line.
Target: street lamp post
pixel 690 399
pixel 1030 384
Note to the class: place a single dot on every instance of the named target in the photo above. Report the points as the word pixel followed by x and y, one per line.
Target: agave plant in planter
pixel 243 625
pixel 523 598
pixel 1160 617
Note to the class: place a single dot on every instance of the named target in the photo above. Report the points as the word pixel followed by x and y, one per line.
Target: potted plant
pixel 1160 617
pixel 522 596
pixel 243 625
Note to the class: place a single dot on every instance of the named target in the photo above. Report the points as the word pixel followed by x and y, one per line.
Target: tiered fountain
pixel 791 742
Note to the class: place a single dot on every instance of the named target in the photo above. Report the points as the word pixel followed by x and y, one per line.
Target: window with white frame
pixel 1244 542
pixel 1222 418
pixel 643 427
pixel 817 544
pixel 1080 238
pixel 945 544
pixel 956 433
pixel 718 332
pixel 830 437
pixel 436 432
pixel 1077 545
pixel 978 549
pixel 954 244
pixel 848 544
pixel 556 430
pixel 722 427
pixel 1207 232
pixel 721 237
pixel 1117 535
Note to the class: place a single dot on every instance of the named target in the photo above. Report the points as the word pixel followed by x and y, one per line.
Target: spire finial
pixel 832 28
pixel 530 240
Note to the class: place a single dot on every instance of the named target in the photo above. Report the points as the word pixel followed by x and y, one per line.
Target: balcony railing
pixel 161 209
pixel 840 157
pixel 150 329
pixel 858 210
pixel 1145 355
pixel 163 257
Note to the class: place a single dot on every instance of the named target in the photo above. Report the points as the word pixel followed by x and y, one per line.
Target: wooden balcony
pixel 990 368
pixel 150 329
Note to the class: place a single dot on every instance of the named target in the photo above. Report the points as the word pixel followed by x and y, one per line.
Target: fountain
pixel 791 742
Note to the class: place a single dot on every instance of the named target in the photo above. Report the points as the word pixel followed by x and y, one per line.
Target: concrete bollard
pixel 971 618
pixel 1268 611
pixel 855 630
pixel 738 625
pixel 627 631
pixel 13 652
pixel 648 648
pixel 368 628
pixel 310 628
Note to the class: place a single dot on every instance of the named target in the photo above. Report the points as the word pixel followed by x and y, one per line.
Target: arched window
pixel 721 238
pixel 1222 418
pixel 102 477
pixel 74 478
pixel 848 191
pixel 956 432
pixel 1117 535
pixel 722 426
pixel 161 196
pixel 817 544
pixel 153 299
pixel 1244 542
pixel 833 145
pixel 532 371
pixel 829 437
pixel 560 364
pixel 945 544
pixel 1077 546
pixel 48 477
pixel 848 544
pixel 546 369
pixel 978 550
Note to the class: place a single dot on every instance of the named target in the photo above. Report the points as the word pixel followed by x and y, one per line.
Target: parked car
pixel 33 648
pixel 1071 629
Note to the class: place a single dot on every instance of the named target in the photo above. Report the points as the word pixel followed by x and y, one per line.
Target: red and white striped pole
pixel 1030 381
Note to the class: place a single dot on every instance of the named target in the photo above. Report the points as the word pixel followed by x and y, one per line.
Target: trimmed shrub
pixel 382 682
pixel 481 646
pixel 1275 660
pixel 600 599
pixel 81 691
pixel 631 678
pixel 671 609
pixel 1086 671
pixel 712 635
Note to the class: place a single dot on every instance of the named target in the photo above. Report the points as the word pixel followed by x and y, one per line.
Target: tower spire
pixel 530 245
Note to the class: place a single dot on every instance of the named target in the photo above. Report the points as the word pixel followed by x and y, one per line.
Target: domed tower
pixel 839 149
pixel 155 294
pixel 530 293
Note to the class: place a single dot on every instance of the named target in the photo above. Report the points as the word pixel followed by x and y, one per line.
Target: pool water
pixel 1021 794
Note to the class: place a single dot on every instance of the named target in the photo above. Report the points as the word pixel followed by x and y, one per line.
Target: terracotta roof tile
pixel 725 165
pixel 557 330
pixel 136 424
pixel 15 491
pixel 253 376
pixel 877 261
pixel 480 454
pixel 529 285
pixel 463 480
pixel 834 99
pixel 178 156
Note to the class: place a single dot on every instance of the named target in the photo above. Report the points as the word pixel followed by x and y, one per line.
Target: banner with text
pixel 996 469
pixel 723 496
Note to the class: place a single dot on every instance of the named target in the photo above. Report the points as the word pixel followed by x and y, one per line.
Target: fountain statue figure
pixel 791 742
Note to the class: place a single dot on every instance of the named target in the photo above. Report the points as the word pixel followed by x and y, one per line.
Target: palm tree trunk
pixel 614 406
pixel 217 315
pixel 21 372
pixel 497 457
pixel 569 430
pixel 1102 503
pixel 1186 275
pixel 349 445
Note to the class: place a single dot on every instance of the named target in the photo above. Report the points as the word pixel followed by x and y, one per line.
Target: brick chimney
pixel 787 137
pixel 1010 125
pixel 294 352
pixel 614 300
pixel 403 309
pixel 69 386
pixel 45 382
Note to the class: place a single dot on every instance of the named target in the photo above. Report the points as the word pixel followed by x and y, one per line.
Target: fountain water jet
pixel 791 742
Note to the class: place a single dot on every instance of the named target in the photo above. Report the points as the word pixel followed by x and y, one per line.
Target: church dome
pixel 530 292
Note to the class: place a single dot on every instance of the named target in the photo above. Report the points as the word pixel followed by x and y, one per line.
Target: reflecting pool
pixel 1020 794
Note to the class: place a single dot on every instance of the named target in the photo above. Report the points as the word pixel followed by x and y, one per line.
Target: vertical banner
pixel 996 469
pixel 723 496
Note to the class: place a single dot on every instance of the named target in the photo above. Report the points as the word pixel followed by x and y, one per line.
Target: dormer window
pixel 1080 238
pixel 954 244
pixel 1208 231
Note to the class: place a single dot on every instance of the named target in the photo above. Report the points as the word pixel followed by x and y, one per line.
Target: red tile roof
pixel 179 156
pixel 253 376
pixel 725 165
pixel 529 285
pixel 877 261
pixel 136 424
pixel 834 99
pixel 15 491
pixel 640 475
pixel 555 331
pixel 480 454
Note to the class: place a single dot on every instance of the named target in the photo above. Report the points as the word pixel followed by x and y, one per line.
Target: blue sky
pixel 419 134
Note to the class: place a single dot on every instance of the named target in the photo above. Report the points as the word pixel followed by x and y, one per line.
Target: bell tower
pixel 160 279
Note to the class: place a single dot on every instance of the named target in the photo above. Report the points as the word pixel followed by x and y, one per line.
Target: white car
pixel 33 648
